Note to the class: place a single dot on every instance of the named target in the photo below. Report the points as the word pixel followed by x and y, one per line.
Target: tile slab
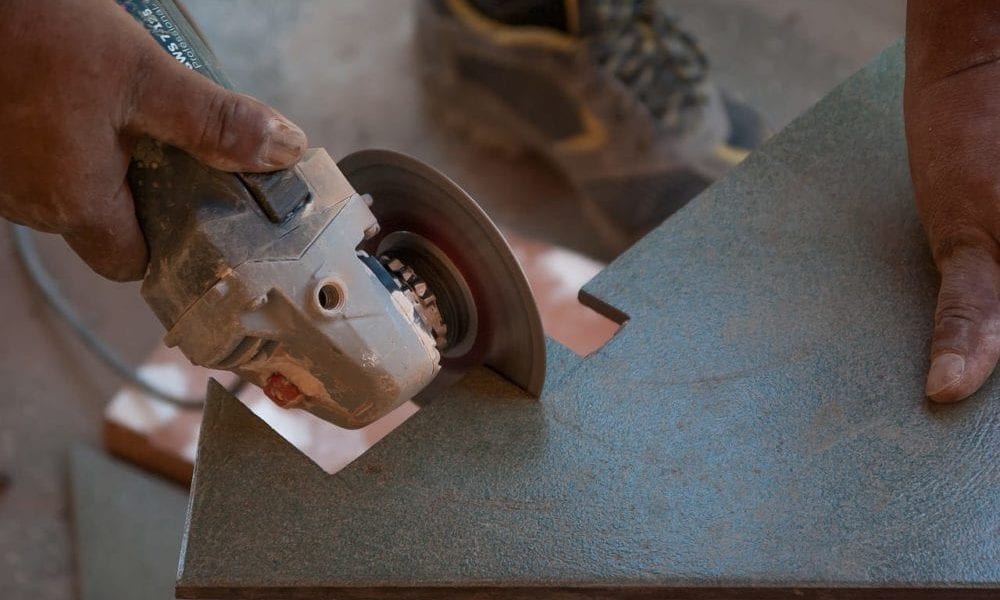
pixel 758 426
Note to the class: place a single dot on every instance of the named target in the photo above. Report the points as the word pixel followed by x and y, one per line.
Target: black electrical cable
pixel 27 252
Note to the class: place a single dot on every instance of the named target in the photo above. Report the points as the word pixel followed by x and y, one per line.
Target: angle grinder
pixel 342 289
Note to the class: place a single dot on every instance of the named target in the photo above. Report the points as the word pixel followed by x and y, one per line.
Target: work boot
pixel 611 91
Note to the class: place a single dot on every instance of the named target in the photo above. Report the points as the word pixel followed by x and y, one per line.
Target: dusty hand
pixel 80 81
pixel 952 105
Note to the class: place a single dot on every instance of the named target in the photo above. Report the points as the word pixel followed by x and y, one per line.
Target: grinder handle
pixel 172 28
pixel 198 222
pixel 278 194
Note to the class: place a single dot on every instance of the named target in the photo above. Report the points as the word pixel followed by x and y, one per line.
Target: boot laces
pixel 643 48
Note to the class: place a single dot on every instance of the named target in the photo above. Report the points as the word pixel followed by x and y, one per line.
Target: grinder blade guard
pixel 428 224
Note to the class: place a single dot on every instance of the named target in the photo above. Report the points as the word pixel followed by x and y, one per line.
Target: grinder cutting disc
pixel 441 235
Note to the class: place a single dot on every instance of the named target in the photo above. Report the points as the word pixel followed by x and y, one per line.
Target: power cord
pixel 27 252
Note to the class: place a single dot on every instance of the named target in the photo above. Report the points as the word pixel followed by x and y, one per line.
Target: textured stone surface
pixel 128 529
pixel 757 426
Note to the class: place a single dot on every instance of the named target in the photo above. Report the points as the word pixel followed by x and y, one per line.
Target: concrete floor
pixel 343 71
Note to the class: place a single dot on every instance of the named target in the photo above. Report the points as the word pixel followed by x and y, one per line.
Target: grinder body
pixel 260 274
pixel 332 301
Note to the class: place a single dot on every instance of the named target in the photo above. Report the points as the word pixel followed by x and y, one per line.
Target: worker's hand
pixel 80 81
pixel 952 105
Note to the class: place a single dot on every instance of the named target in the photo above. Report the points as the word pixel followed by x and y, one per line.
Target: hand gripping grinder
pixel 342 288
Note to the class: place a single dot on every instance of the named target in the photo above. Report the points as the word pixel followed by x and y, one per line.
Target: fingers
pixel 966 343
pixel 226 130
pixel 113 245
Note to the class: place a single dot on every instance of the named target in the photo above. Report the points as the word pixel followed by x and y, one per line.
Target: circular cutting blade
pixel 413 198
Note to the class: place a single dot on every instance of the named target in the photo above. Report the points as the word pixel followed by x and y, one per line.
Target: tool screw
pixel 330 297
pixel 258 302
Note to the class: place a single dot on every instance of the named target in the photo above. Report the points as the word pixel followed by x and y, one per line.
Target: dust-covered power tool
pixel 343 288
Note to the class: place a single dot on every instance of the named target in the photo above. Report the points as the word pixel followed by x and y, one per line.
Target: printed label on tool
pixel 163 29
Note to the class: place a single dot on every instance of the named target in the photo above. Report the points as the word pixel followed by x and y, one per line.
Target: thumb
pixel 223 129
pixel 966 343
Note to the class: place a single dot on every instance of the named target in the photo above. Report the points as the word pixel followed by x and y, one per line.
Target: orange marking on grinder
pixel 283 392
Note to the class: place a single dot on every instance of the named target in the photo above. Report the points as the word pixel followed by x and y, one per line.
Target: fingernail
pixel 945 372
pixel 285 143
